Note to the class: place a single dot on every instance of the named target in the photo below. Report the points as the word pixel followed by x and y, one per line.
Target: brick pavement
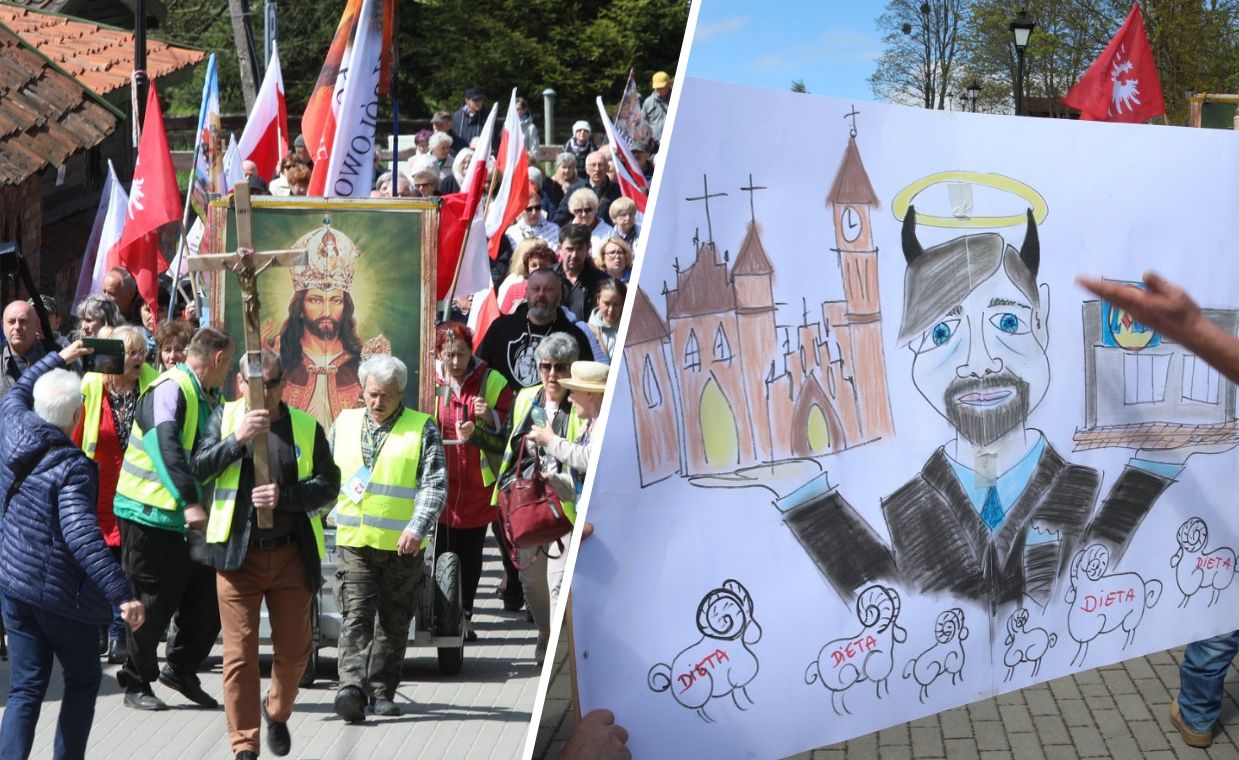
pixel 482 713
pixel 1118 711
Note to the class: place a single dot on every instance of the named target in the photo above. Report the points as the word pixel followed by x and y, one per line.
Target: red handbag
pixel 530 511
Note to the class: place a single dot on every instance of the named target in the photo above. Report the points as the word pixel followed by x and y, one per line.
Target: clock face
pixel 850 224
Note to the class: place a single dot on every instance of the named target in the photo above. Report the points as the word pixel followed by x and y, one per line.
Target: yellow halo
pixel 1040 209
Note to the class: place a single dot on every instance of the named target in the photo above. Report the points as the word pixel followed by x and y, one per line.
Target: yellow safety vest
pixel 520 410
pixel 92 393
pixel 138 480
pixel 492 386
pixel 304 427
pixel 387 505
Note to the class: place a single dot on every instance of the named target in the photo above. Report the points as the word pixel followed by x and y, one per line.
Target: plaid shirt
pixel 431 470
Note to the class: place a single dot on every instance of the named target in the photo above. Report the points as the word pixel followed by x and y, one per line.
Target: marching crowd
pixel 135 509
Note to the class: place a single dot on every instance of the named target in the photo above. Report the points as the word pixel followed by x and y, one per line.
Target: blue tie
pixel 991 512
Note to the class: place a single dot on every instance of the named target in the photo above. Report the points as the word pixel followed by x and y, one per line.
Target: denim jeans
pixel 1202 678
pixel 35 636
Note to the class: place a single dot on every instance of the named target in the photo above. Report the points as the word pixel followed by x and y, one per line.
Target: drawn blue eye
pixel 1009 323
pixel 941 333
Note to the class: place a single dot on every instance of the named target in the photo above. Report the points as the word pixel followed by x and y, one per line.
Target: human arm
pixel 79 524
pixel 597 737
pixel 1170 310
pixel 213 454
pixel 431 490
pixel 320 488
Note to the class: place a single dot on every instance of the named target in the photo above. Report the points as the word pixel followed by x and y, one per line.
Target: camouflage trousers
pixel 376 593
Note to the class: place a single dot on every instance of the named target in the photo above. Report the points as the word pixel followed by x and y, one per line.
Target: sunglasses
pixel 533 208
pixel 560 367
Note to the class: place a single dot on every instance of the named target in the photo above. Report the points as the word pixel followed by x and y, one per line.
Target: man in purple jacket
pixel 57 575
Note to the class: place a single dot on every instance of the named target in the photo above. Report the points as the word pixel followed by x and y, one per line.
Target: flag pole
pixel 182 248
pixel 451 291
pixel 395 99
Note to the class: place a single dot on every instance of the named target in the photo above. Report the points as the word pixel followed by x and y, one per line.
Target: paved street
pixel 481 713
pixel 1117 712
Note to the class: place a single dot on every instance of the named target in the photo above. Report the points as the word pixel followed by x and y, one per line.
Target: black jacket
pixel 607 193
pixel 212 457
pixel 511 341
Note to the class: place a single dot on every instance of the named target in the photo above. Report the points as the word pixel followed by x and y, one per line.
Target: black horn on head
pixel 911 246
pixel 1030 251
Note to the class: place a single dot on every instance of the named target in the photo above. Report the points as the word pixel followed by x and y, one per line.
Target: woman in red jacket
pixel 104 434
pixel 473 404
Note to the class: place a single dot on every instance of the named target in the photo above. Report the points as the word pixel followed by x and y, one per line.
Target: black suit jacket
pixel 940 544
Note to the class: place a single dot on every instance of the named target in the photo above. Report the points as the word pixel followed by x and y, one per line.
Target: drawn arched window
pixel 649 385
pixel 692 353
pixel 722 349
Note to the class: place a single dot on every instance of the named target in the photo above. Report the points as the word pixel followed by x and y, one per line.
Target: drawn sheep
pixel 867 656
pixel 945 656
pixel 1103 603
pixel 1195 568
pixel 1025 644
pixel 720 663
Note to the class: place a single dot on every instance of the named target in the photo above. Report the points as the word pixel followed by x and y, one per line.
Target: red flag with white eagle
pixel 1122 84
pixel 154 200
pixel 627 171
pixel 265 139
pixel 513 193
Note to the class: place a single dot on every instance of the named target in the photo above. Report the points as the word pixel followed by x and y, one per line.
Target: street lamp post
pixel 974 92
pixel 1021 29
pixel 548 114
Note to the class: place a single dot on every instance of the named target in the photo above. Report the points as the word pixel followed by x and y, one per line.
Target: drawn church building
pixel 719 385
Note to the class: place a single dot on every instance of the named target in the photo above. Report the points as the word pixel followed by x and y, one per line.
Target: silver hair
pixel 565 159
pixel 427 175
pixel 558 347
pixel 582 197
pixel 460 163
pixel 57 397
pixel 385 369
pixel 438 138
pixel 535 175
pixel 270 360
pixel 100 306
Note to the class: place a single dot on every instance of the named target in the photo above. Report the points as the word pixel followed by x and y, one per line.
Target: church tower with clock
pixel 851 199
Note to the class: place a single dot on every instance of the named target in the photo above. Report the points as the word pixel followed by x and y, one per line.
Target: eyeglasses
pixel 614 255
pixel 583 211
pixel 560 367
pixel 532 208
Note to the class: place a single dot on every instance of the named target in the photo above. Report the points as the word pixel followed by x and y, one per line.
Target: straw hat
pixel 589 377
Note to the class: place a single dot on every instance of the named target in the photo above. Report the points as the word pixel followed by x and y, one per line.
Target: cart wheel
pixel 448 611
pixel 451 659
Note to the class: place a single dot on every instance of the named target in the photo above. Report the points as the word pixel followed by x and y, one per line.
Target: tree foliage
pixel 1195 43
pixel 922 47
pixel 579 48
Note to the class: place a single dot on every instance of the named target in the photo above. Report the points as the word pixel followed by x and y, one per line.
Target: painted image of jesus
pixel 319 343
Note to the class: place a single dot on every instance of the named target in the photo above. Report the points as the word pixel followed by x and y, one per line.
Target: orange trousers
pixel 279 576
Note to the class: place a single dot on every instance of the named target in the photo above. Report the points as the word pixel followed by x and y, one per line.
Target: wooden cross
pixel 247 264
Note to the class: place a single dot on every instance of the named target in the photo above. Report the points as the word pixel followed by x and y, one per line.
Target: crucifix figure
pixel 247 264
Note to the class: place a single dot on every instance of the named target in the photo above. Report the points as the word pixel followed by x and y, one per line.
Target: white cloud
pixel 839 46
pixel 767 62
pixel 720 28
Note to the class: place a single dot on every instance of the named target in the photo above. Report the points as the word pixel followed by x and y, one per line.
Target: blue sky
pixel 830 45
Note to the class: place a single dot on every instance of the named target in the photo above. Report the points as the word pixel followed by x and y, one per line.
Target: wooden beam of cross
pixel 247 264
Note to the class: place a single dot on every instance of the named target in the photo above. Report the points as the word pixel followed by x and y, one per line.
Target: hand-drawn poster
pixel 872 454
pixel 367 288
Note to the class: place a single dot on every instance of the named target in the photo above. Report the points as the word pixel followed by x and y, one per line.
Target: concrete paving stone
pixel 803 756
pixel 1010 698
pixel 990 735
pixel 928 720
pixel 955 724
pixel 1065 688
pixel 1086 676
pixel 827 754
pixel 1157 754
pixel 894 752
pixel 1041 700
pixel 986 709
pixel 1123 746
pixel 1168 673
pixel 895 735
pixel 962 749
pixel 1151 734
pixel 1094 690
pixel 996 754
pixel 1052 730
pixel 1026 746
pixel 1132 707
pixel 1061 752
pixel 1015 717
pixel 863 747
pixel 927 741
pixel 1074 712
pixel 1111 724
pixel 1087 741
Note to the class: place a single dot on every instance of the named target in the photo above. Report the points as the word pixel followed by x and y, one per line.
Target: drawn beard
pixel 982 425
pixel 324 329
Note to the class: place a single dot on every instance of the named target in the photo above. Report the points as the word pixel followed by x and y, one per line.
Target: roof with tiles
pixel 45 115
pixel 100 56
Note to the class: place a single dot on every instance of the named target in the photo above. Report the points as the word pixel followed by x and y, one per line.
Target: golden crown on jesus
pixel 330 260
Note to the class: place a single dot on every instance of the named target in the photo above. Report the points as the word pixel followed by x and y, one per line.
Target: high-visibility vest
pixel 304 427
pixel 387 505
pixel 492 386
pixel 138 480
pixel 92 393
pixel 520 410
